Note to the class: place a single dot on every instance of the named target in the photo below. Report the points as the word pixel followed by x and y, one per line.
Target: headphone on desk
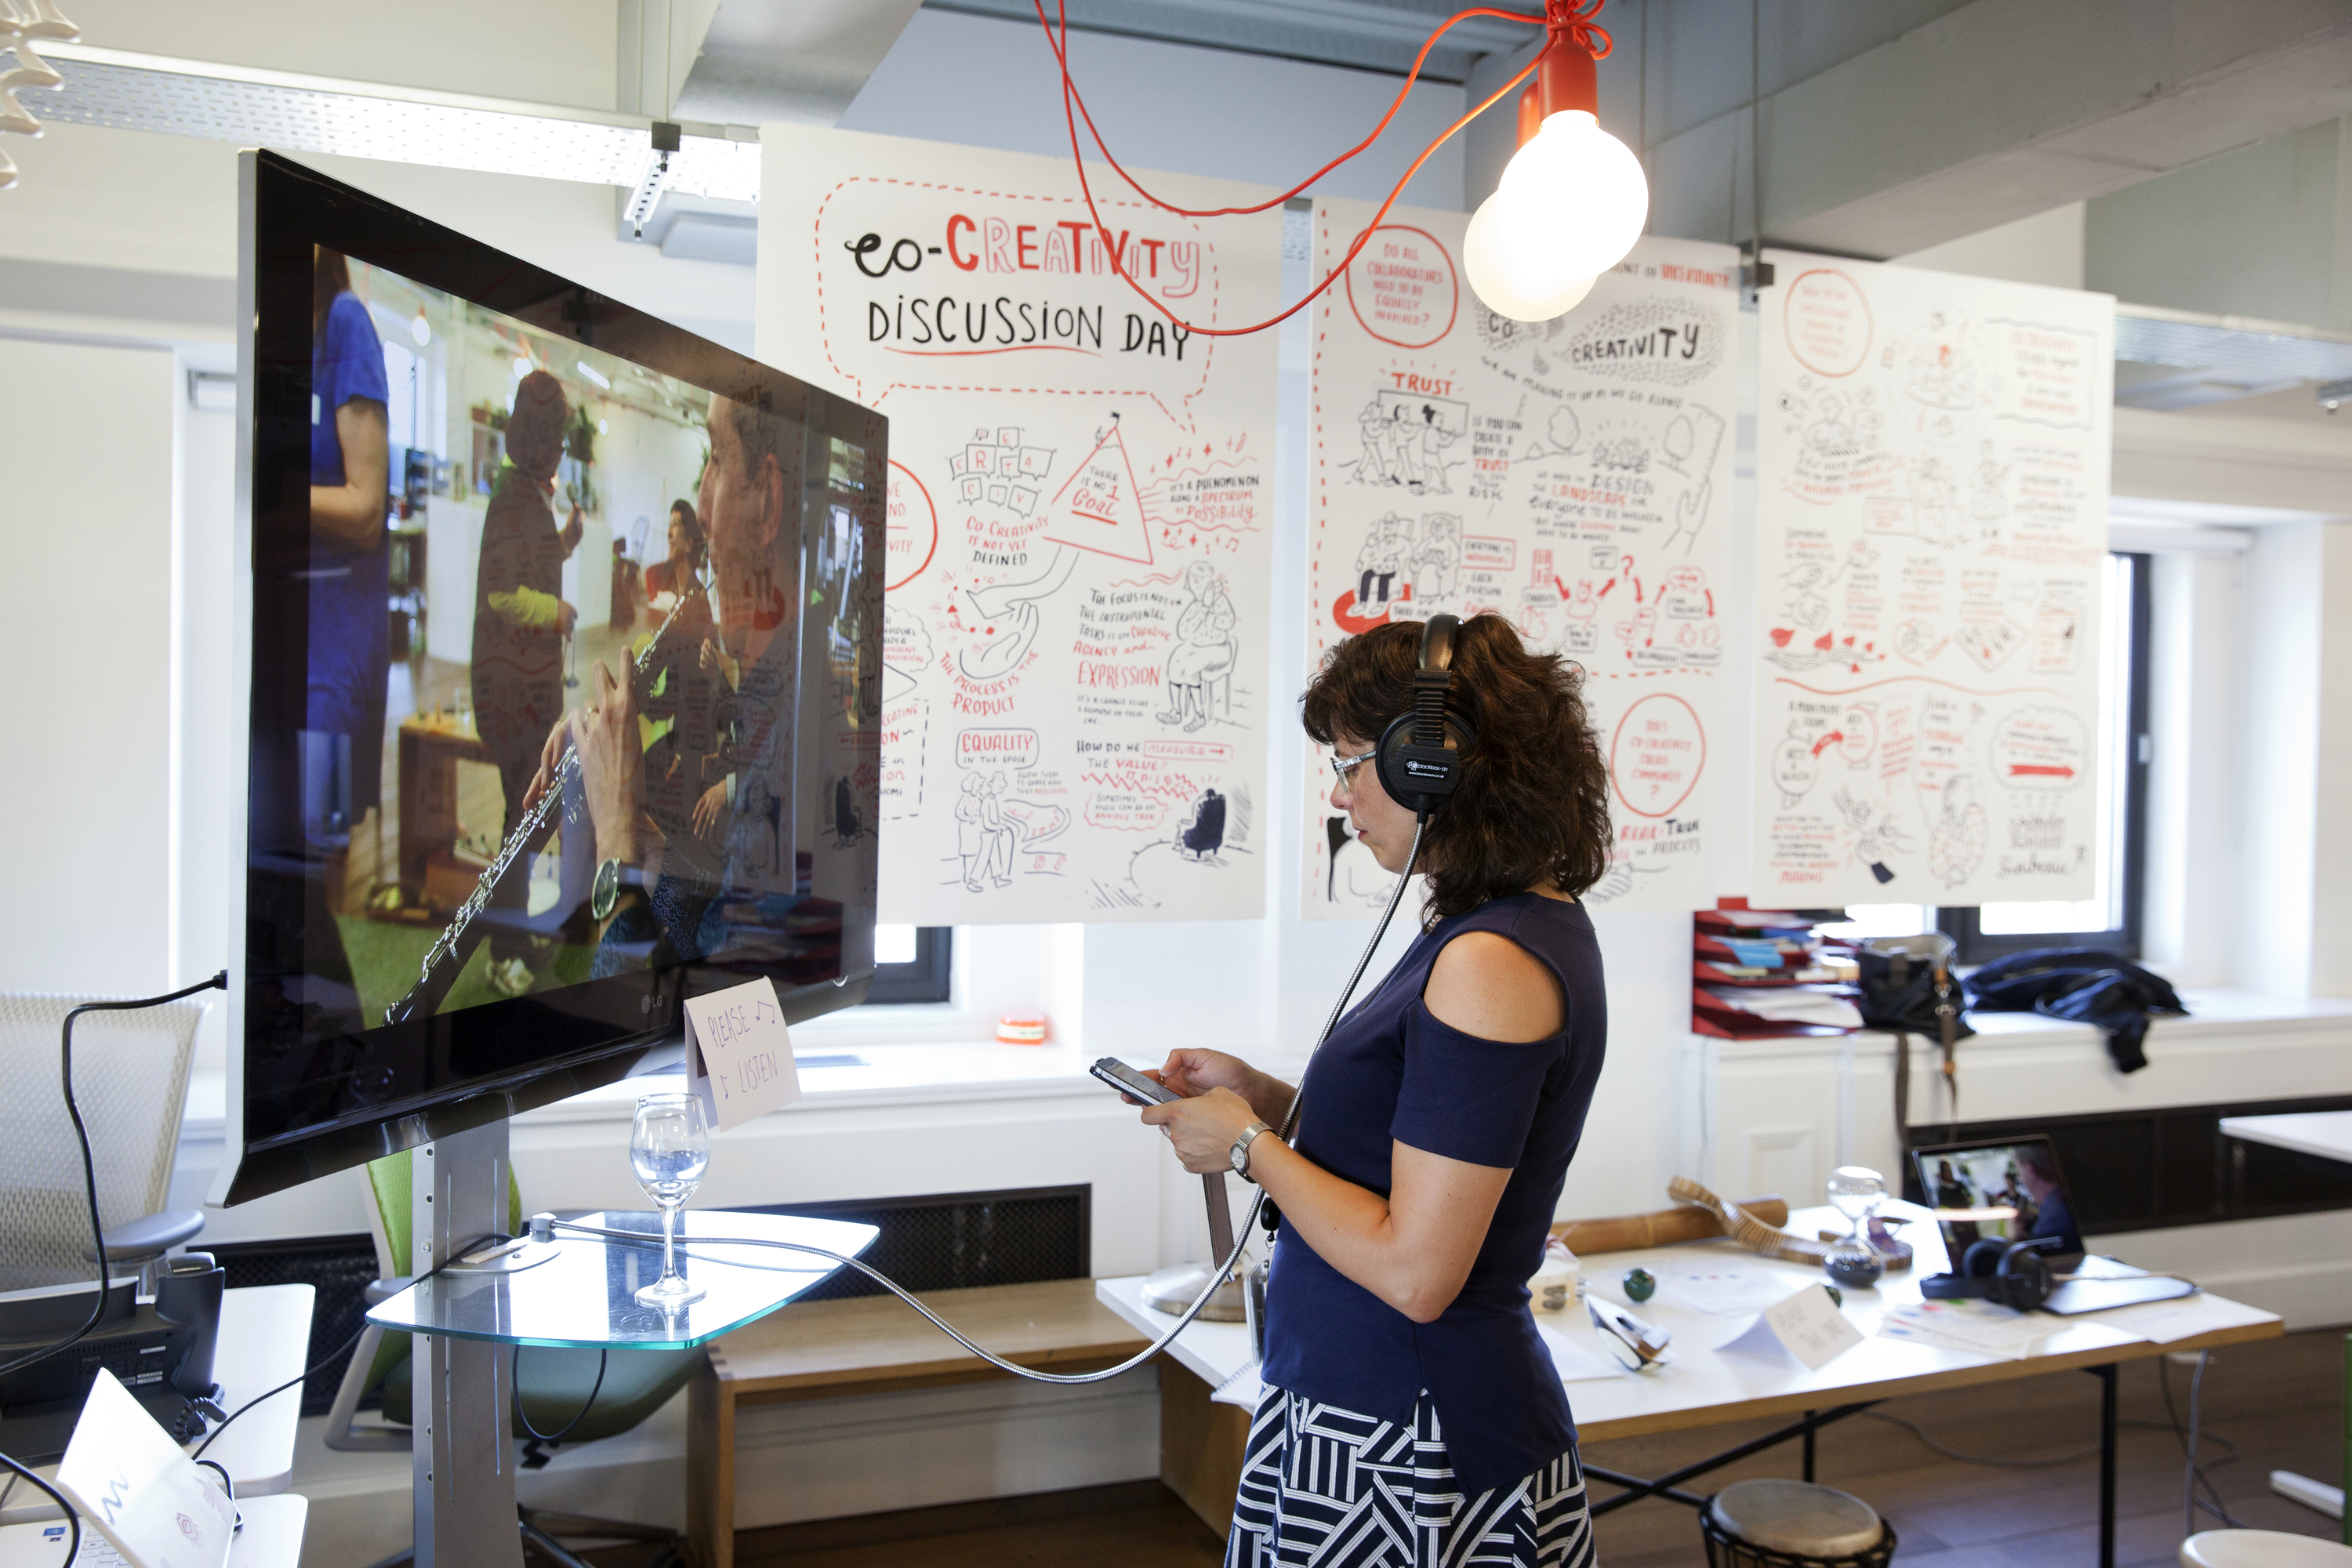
pixel 2014 1273
pixel 1415 764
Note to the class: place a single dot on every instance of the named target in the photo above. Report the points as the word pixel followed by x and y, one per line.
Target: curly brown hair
pixel 1533 802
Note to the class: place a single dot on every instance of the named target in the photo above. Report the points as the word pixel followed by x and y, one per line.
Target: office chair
pixel 551 1384
pixel 131 1080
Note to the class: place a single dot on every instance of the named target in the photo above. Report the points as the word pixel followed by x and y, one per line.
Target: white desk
pixel 265 1339
pixel 1704 1388
pixel 271 1537
pixel 2326 1133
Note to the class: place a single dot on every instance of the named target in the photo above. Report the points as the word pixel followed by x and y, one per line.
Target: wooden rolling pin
pixel 1625 1233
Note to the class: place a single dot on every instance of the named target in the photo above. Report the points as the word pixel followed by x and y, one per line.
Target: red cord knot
pixel 1574 18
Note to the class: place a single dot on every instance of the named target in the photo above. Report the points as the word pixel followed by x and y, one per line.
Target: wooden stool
pixel 2261 1549
pixel 1792 1524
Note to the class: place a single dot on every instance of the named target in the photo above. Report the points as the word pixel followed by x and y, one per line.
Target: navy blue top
pixel 350 624
pixel 1391 1071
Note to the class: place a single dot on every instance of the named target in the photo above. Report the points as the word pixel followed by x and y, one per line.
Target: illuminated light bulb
pixel 1569 205
pixel 522 367
pixel 1523 293
pixel 420 329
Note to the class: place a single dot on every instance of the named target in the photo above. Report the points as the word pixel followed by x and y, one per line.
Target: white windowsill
pixel 913 1055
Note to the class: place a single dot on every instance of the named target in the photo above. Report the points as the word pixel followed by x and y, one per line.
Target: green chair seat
pixel 554 1383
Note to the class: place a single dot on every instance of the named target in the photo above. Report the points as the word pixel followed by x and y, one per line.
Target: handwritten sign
pixel 739 1055
pixel 1812 1327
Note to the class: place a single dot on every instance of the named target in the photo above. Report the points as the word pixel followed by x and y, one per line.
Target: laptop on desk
pixel 2013 1189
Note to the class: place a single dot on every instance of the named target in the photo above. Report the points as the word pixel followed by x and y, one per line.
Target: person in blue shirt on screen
pixel 350 574
pixel 1413 1413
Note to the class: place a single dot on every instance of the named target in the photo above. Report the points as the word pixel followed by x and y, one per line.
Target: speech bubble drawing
pixel 1404 287
pixel 2042 748
pixel 912 537
pixel 1827 321
pixel 1657 754
pixel 906 642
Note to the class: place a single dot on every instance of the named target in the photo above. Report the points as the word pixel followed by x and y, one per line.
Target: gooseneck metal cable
pixel 1242 1231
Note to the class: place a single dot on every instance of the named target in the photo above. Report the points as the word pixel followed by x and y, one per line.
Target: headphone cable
pixel 543 1227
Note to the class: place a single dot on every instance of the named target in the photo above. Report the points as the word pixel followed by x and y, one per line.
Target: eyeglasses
pixel 1343 766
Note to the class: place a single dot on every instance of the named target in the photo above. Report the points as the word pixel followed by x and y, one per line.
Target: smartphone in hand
pixel 1127 1080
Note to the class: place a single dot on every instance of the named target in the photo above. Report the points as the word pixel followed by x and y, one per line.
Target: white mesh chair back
pixel 130 1079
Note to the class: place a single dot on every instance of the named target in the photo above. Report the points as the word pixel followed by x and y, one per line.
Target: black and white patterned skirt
pixel 1326 1488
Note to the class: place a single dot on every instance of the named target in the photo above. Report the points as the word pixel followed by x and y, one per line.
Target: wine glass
pixel 670 1147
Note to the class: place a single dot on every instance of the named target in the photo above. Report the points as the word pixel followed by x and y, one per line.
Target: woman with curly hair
pixel 1411 1414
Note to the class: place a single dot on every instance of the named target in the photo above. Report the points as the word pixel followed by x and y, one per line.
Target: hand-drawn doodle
pixel 1205 651
pixel 1956 845
pixel 1405 437
pixel 1436 561
pixel 1795 765
pixel 1878 837
pixel 1987 504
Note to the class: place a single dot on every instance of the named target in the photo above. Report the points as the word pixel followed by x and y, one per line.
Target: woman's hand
pixel 551 756
pixel 1204 1128
pixel 1189 1072
pixel 611 764
pixel 708 810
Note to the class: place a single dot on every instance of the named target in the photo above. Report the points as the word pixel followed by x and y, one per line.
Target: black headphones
pixel 1415 764
pixel 2014 1273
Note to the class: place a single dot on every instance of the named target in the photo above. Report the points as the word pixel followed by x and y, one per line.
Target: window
pixel 910 964
pixel 2111 919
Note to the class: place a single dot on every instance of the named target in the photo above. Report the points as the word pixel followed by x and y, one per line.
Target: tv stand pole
pixel 465 1458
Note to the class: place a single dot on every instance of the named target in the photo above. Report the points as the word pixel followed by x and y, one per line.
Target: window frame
pixel 1963 926
pixel 928 977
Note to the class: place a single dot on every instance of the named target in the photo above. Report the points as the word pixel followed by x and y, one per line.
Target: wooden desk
pixel 1702 1387
pixel 430 747
pixel 874 1344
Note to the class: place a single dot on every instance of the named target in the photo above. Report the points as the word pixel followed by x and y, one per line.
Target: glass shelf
pixel 583 1295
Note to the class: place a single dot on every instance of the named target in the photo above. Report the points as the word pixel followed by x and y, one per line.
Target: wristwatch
pixel 1241 1155
pixel 606 891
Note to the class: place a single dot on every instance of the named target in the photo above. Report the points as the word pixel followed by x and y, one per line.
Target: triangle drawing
pixel 1100 507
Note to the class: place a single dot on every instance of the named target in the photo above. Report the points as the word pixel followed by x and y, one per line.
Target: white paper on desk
pixel 1806 1324
pixel 1244 1389
pixel 739 1055
pixel 2184 1317
pixel 1573 1361
pixel 125 1476
pixel 1979 1328
pixel 1724 1292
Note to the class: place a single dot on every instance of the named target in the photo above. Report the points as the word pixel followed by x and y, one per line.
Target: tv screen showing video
pixel 564 646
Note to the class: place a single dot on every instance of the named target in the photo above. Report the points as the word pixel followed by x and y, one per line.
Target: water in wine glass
pixel 669 1176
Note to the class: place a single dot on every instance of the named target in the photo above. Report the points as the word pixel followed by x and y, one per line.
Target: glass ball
pixel 1640 1285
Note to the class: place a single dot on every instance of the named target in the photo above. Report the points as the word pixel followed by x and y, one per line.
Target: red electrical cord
pixel 1411 77
pixel 1571 18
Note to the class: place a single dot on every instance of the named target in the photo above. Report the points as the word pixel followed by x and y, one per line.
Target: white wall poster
pixel 1574 475
pixel 1079 545
pixel 1932 457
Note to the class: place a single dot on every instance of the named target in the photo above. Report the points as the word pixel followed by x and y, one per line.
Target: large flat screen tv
pixel 563 639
